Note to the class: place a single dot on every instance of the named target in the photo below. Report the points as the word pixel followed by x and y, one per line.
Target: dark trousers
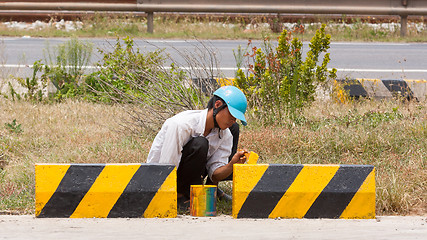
pixel 192 167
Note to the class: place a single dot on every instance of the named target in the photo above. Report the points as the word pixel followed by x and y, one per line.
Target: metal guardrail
pixel 401 8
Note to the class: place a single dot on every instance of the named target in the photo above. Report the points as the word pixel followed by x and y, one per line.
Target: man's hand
pixel 225 171
pixel 239 157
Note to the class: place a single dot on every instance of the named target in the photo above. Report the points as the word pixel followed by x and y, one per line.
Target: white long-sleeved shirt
pixel 179 129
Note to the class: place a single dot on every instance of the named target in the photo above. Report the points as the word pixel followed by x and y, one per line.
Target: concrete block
pixel 105 190
pixel 385 88
pixel 303 191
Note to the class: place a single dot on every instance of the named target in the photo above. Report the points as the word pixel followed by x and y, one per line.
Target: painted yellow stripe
pixel 163 204
pixel 363 203
pixel 374 81
pixel 368 79
pixel 245 178
pixel 48 178
pixel 105 191
pixel 416 80
pixel 304 190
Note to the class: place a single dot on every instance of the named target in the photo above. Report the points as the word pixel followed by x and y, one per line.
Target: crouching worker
pixel 200 142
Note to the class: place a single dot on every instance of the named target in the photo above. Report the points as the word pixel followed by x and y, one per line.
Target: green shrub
pixel 153 90
pixel 118 67
pixel 280 83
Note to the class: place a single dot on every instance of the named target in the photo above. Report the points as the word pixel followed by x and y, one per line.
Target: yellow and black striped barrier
pixel 303 191
pixel 105 190
pixel 384 88
pixel 409 89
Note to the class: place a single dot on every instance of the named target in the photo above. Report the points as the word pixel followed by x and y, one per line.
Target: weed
pixel 13 94
pixel 64 67
pixel 14 127
pixel 33 85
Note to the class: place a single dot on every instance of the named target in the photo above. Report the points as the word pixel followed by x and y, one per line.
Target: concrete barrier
pixel 303 191
pixel 385 88
pixel 374 88
pixel 105 190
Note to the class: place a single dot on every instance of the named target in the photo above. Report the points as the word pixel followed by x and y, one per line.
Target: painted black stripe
pixel 140 191
pixel 269 190
pixel 399 88
pixel 335 197
pixel 74 185
pixel 354 88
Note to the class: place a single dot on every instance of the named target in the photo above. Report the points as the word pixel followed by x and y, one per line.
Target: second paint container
pixel 203 200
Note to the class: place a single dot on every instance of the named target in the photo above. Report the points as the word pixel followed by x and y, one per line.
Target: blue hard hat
pixel 235 100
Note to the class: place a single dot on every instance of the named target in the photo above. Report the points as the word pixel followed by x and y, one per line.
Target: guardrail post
pixel 150 22
pixel 276 26
pixel 403 25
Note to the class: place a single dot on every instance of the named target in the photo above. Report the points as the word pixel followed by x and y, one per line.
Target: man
pixel 197 141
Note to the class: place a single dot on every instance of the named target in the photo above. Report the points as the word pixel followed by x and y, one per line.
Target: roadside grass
pixel 391 135
pixel 226 27
pixel 70 132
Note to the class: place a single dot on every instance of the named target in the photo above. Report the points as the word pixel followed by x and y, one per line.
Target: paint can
pixel 203 200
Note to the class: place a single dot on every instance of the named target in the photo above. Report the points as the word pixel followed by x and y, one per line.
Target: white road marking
pixel 235 69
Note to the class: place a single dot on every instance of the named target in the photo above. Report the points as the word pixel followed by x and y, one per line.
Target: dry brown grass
pixel 68 132
pixel 356 133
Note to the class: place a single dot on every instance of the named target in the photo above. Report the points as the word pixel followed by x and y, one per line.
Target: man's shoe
pixel 223 196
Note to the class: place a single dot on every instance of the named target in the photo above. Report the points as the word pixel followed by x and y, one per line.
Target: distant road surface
pixel 352 60
pixel 221 227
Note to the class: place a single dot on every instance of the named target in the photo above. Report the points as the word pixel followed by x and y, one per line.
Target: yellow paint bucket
pixel 203 200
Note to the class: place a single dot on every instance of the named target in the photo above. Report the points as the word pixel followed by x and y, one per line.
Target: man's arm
pixel 225 171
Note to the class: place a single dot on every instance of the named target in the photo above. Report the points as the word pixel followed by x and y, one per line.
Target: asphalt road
pixel 221 227
pixel 353 60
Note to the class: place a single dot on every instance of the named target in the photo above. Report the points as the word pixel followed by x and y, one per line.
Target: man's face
pixel 224 118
